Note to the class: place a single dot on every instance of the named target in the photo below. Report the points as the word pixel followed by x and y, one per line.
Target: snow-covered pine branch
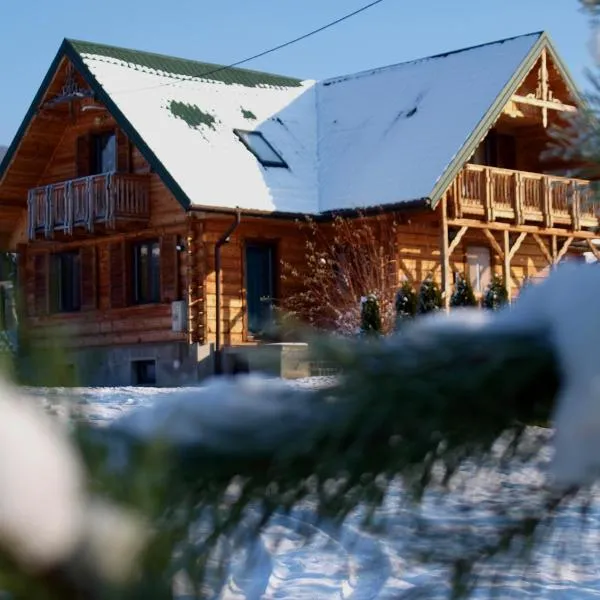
pixel 415 405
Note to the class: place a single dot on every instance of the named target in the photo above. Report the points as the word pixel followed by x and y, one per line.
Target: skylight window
pixel 258 145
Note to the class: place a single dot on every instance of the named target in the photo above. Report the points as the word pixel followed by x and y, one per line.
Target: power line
pixel 276 48
pixel 298 39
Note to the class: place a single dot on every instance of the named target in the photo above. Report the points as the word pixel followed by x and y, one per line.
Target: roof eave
pixel 408 205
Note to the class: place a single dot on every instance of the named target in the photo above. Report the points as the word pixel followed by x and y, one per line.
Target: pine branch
pixel 423 403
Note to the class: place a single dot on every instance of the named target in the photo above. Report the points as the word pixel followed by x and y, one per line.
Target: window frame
pixel 240 133
pixel 96 153
pixel 59 281
pixel 153 294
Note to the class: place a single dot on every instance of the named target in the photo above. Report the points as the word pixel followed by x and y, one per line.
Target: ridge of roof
pixel 179 67
pixel 375 70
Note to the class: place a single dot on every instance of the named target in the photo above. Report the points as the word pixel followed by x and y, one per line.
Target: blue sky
pixel 225 31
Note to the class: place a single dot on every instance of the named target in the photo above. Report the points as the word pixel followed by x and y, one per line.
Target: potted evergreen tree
pixel 370 316
pixel 430 297
pixel 496 294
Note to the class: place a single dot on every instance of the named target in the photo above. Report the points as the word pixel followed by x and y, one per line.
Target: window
pixel 65 282
pixel 479 266
pixel 103 153
pixel 146 272
pixel 496 150
pixel 258 145
pixel 144 372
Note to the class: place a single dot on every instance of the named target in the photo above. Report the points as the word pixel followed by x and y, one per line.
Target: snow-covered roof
pixel 386 136
pixel 189 123
pixel 376 138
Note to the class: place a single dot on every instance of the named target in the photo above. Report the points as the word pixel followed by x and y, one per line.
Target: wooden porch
pixel 518 197
pixel 109 200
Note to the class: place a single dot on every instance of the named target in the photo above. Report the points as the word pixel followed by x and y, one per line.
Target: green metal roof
pixel 183 68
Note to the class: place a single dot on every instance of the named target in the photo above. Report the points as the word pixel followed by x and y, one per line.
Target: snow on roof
pixel 388 135
pixel 189 125
pixel 374 138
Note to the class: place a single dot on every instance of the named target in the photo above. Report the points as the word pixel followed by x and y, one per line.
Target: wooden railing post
pixel 575 207
pixel 488 195
pixel 68 191
pixel 91 202
pixel 31 214
pixel 547 201
pixel 48 225
pixel 518 200
pixel 111 200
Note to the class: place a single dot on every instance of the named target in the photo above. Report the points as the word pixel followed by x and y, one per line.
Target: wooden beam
pixel 593 248
pixel 445 255
pixel 497 226
pixel 407 271
pixel 513 111
pixel 517 245
pixel 493 243
pixel 543 248
pixel 544 103
pixel 456 241
pixel 564 249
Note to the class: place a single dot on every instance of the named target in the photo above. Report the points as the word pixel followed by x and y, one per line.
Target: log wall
pixel 106 316
pixel 290 248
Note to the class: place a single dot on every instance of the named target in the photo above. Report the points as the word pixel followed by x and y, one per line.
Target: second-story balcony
pixel 523 198
pixel 104 201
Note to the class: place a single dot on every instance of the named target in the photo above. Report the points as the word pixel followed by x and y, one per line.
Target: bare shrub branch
pixel 345 260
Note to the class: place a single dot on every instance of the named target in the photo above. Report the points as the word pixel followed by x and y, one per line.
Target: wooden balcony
pixel 496 194
pixel 88 204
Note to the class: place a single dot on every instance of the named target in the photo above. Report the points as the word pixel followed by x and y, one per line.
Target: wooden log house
pixel 130 167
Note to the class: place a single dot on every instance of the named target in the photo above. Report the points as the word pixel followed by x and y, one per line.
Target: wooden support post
pixel 506 264
pixel 445 255
pixel 517 244
pixel 493 243
pixel 543 248
pixel 456 241
pixel 554 249
pixel 564 248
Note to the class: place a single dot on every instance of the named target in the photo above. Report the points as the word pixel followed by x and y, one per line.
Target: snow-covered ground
pixel 353 564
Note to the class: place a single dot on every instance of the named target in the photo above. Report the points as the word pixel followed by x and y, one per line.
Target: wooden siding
pixel 55 150
pixel 106 316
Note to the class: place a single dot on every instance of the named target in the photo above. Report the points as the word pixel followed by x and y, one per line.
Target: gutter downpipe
pixel 224 239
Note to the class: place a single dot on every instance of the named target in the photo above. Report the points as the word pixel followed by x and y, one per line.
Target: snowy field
pixel 355 565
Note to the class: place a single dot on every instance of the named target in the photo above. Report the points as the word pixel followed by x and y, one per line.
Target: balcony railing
pixel 107 199
pixel 522 197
